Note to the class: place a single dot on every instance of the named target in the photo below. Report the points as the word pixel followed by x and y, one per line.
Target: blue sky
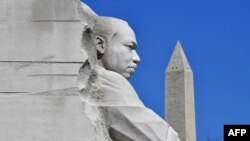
pixel 215 35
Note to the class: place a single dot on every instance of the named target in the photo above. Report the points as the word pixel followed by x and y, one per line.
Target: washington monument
pixel 180 109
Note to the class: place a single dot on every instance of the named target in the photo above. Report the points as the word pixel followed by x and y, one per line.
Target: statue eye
pixel 129 46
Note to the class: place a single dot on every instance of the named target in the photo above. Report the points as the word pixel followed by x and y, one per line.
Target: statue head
pixel 115 42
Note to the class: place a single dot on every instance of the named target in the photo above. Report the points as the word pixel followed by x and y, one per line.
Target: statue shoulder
pixel 116 89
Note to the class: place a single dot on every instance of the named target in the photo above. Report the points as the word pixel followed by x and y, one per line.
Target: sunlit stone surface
pixel 59 80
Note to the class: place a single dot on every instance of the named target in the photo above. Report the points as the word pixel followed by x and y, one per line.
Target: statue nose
pixel 135 57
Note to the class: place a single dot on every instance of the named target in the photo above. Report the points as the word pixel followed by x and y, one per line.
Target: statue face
pixel 120 55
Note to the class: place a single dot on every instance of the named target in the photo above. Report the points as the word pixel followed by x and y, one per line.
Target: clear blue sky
pixel 215 35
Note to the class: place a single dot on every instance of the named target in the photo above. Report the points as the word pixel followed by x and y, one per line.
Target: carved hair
pixel 95 25
pixel 107 27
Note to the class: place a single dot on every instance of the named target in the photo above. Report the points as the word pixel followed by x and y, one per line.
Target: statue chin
pixel 126 75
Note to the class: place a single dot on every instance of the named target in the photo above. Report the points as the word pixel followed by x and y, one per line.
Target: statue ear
pixel 100 44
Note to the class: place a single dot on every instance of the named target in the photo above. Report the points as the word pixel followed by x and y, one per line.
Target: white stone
pixel 180 109
pixel 45 118
pixel 40 45
pixel 110 45
pixel 40 57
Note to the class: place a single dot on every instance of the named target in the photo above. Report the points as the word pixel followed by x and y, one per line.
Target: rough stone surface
pixel 110 45
pixel 25 77
pixel 122 115
pixel 45 117
pixel 40 57
pixel 40 30
pixel 180 110
pixel 40 45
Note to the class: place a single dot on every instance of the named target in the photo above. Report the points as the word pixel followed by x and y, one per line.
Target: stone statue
pixel 110 101
pixel 39 99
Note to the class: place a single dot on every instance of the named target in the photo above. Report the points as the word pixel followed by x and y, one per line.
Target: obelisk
pixel 179 107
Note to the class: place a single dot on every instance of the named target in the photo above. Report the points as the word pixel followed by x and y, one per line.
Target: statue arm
pixel 130 123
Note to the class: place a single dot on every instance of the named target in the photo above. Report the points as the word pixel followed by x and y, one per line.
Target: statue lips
pixel 132 68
